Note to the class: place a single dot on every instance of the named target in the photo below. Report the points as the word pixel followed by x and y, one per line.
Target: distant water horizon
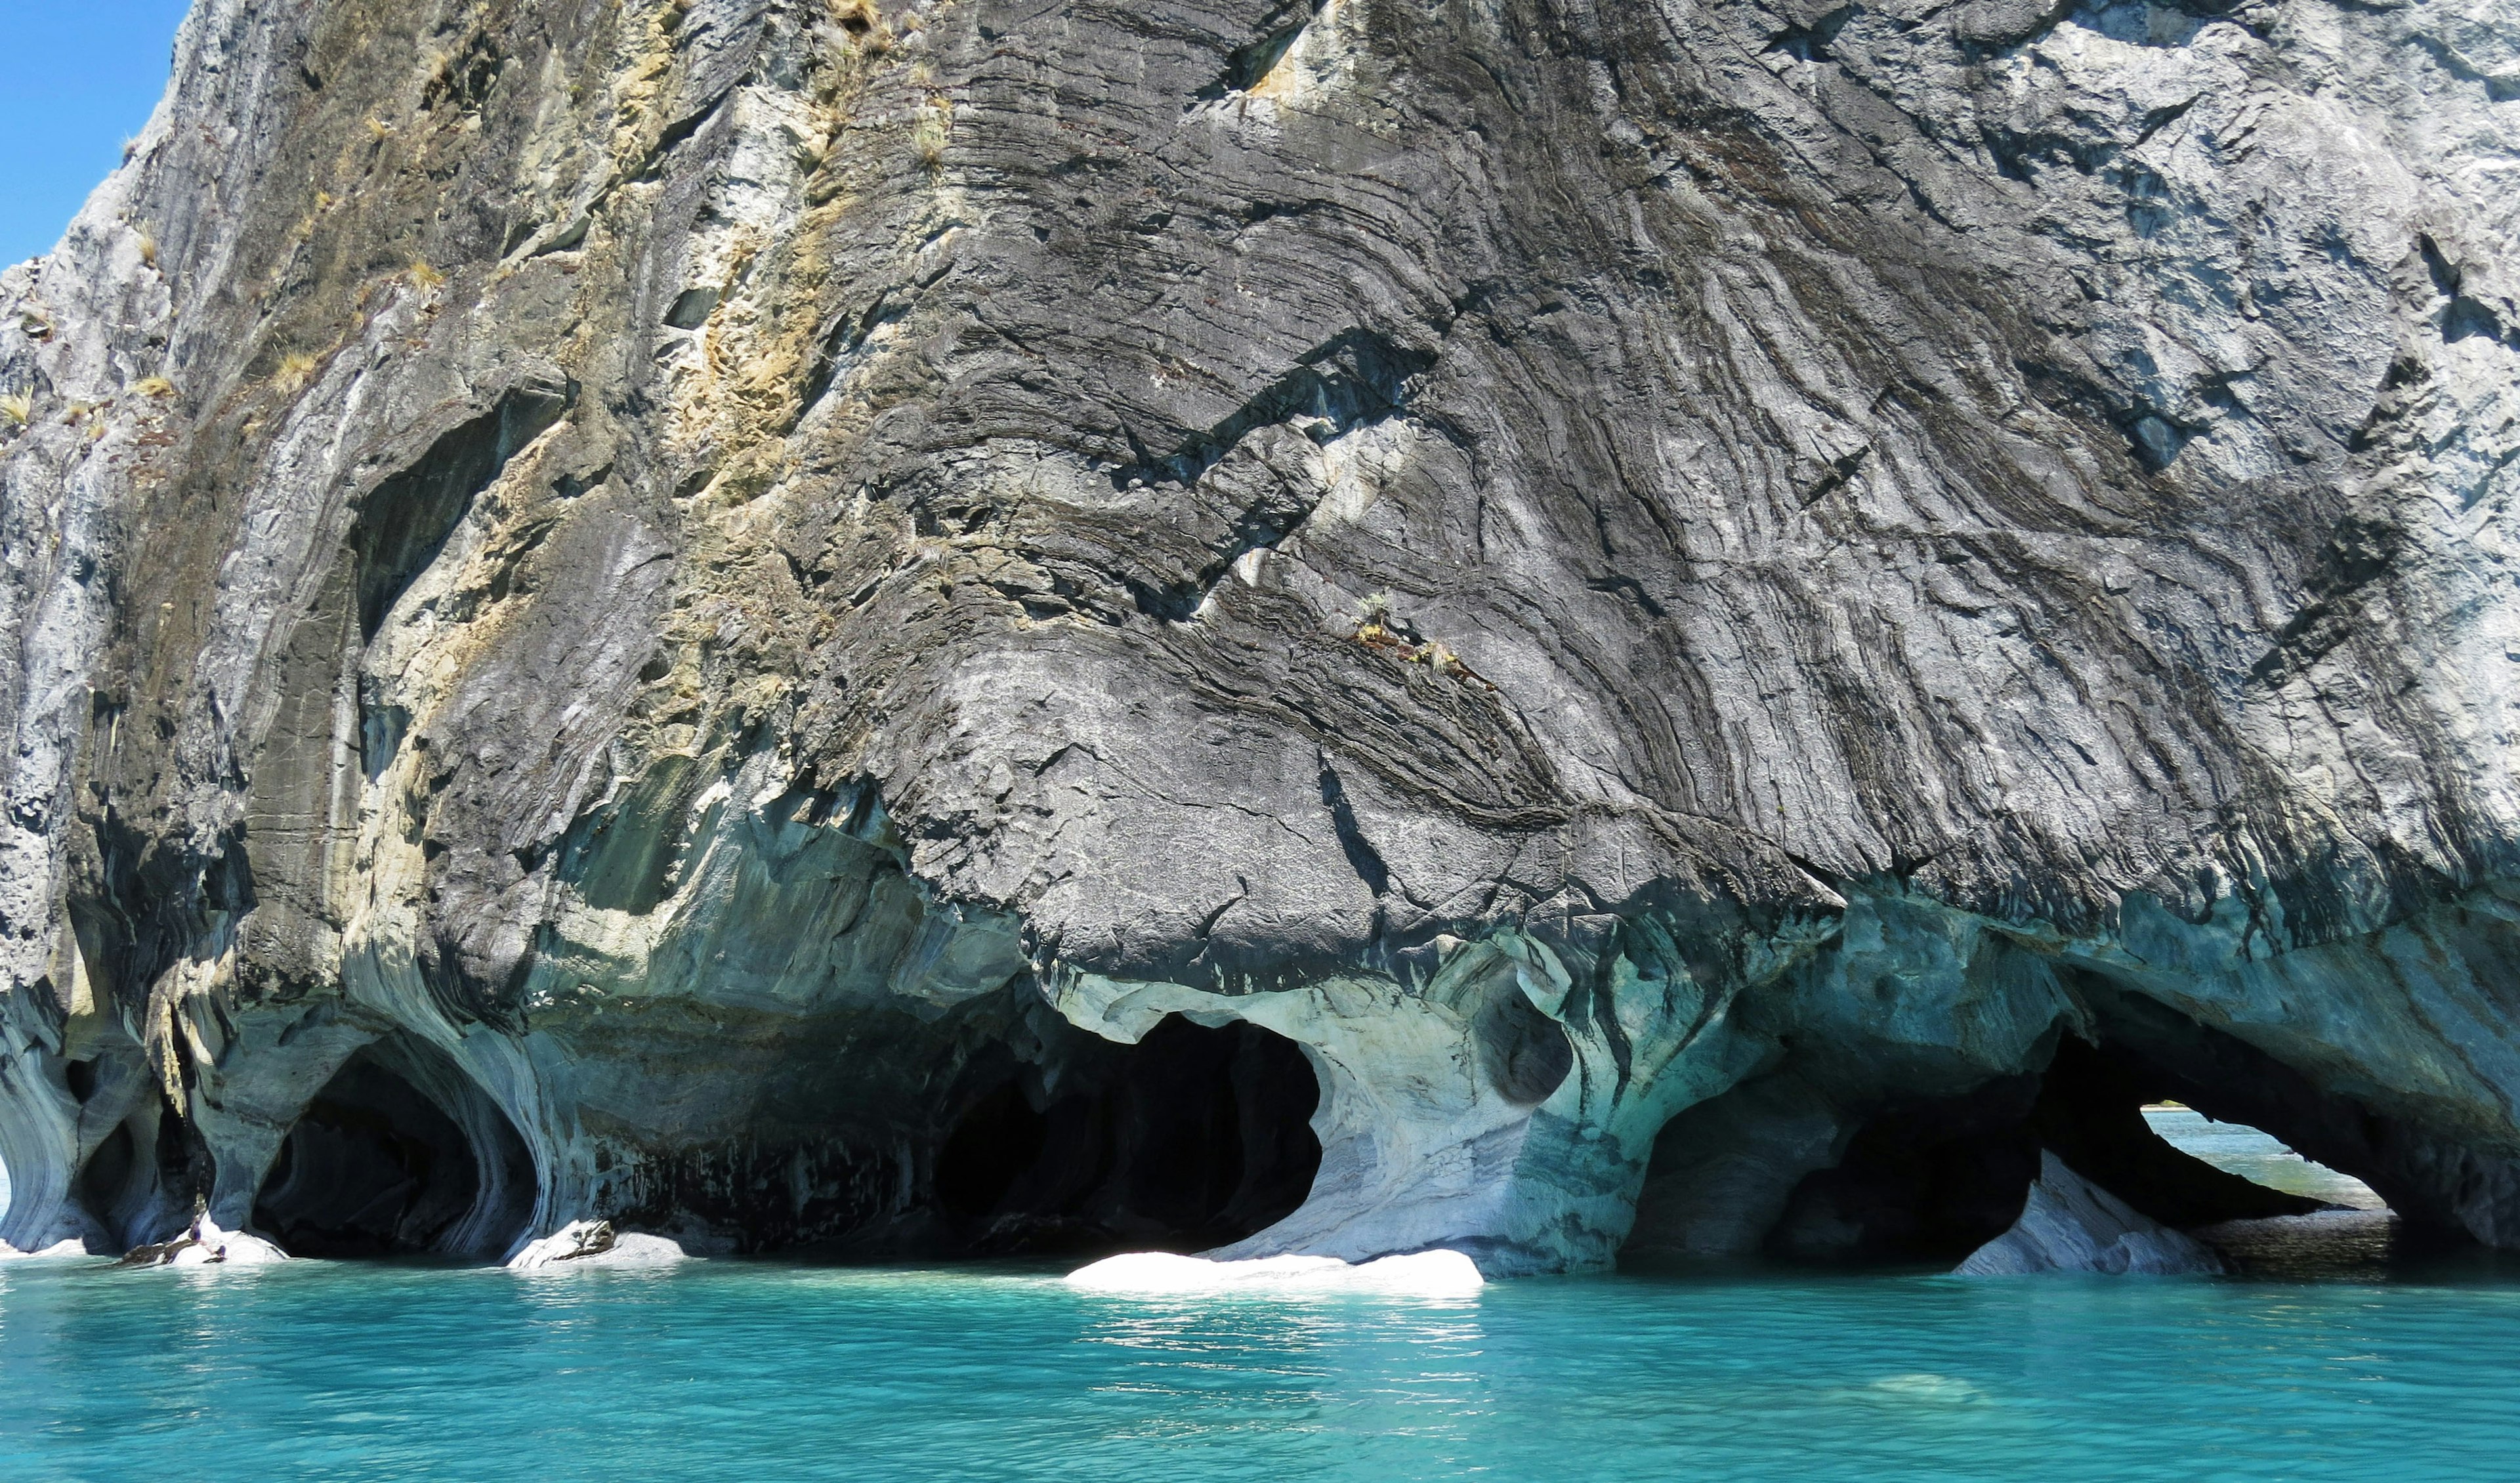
pixel 2237 1148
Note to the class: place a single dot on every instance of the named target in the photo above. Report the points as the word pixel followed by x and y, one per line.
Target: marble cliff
pixel 1291 626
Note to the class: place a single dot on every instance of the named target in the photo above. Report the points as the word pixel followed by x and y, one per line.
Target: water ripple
pixel 737 1370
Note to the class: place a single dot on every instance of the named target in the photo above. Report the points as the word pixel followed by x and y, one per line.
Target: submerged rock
pixel 934 628
pixel 2071 1225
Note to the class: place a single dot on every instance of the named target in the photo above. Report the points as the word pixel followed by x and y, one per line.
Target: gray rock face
pixel 2069 1223
pixel 1331 628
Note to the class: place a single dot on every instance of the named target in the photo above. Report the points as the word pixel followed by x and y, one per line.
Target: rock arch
pixel 401 1152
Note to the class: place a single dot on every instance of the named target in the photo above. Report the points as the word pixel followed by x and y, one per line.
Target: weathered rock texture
pixel 697 612
pixel 2071 1225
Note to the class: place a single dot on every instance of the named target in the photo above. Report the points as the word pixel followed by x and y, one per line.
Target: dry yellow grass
pixel 929 136
pixel 154 386
pixel 426 276
pixel 18 407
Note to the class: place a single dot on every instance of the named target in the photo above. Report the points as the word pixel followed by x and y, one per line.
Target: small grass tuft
pixel 154 386
pixel 297 368
pixel 426 276
pixel 149 249
pixel 929 136
pixel 378 128
pixel 864 25
pixel 18 407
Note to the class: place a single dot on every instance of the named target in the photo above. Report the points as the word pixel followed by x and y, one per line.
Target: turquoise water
pixel 2385 1367
pixel 759 1371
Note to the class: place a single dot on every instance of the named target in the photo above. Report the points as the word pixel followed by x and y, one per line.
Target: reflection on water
pixel 1269 1371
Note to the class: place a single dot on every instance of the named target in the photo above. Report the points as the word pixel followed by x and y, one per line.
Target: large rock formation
pixel 2071 1225
pixel 1322 626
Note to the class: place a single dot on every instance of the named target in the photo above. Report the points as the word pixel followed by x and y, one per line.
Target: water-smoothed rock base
pixel 205 1244
pixel 588 1246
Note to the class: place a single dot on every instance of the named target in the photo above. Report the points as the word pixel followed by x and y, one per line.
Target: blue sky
pixel 77 77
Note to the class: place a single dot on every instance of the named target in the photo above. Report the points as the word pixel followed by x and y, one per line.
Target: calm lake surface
pixel 2375 1366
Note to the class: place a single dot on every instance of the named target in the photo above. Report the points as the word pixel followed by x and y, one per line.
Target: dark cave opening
pixel 2092 1112
pixel 1930 1180
pixel 1921 1180
pixel 399 1153
pixel 1195 1138
pixel 1828 1160
pixel 108 1171
pixel 131 1181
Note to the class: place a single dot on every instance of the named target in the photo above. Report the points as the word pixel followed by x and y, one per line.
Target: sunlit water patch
pixel 762 1372
pixel 2356 1242
pixel 2255 1155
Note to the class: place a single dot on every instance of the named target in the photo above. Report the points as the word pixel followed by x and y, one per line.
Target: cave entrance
pixel 1193 1137
pixel 2092 1111
pixel 401 1153
pixel 1929 1179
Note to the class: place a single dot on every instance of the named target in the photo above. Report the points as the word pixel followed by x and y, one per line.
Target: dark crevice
pixel 1811 42
pixel 691 308
pixel 1629 587
pixel 1246 64
pixel 684 128
pixel 2358 551
pixel 1356 377
pixel 405 520
pixel 1840 471
pixel 2157 119
pixel 1362 857
pixel 1193 1139
pixel 839 348
pixel 2463 317
pixel 1352 380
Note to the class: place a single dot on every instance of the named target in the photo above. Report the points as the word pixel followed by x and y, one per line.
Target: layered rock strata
pixel 1332 627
